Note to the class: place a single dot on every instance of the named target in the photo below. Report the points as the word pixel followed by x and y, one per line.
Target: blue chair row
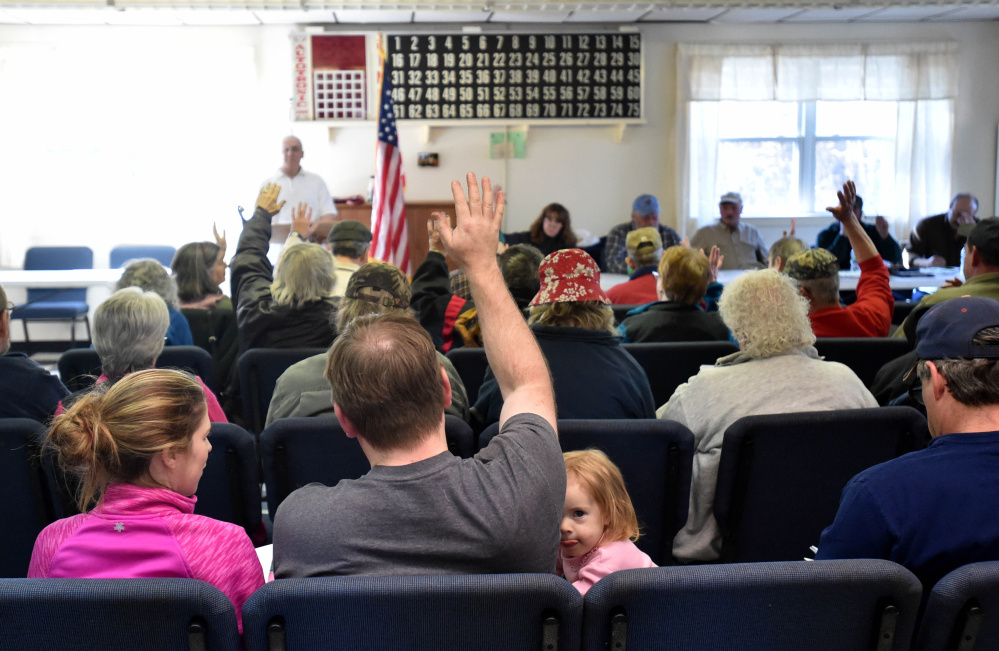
pixel 854 604
pixel 55 303
pixel 80 367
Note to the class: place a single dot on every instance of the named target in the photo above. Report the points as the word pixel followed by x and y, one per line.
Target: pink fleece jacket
pixel 583 571
pixel 140 532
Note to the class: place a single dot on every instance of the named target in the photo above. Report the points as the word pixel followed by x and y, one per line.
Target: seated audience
pixel 421 510
pixel 935 241
pixel 349 242
pixel 782 250
pixel 28 390
pixel 644 214
pixel 741 244
pixel 684 277
pixel 550 232
pixel 599 525
pixel 151 276
pixel 199 270
pixel 776 370
pixel 981 273
pixel 129 329
pixel 645 250
pixel 375 288
pixel 817 274
pixel 138 448
pixel 934 510
pixel 594 376
pixel 834 240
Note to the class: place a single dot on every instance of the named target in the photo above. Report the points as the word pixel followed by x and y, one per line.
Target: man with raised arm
pixel 421 510
pixel 817 274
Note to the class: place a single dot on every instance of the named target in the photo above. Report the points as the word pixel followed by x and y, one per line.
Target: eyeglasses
pixel 916 393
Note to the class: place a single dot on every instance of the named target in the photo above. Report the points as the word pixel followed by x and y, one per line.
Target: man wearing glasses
pixel 934 510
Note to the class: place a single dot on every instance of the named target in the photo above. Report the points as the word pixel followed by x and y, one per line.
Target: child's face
pixel 582 521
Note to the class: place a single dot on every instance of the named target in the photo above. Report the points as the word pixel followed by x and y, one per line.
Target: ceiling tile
pixel 447 16
pixel 980 12
pixel 529 16
pixel 606 15
pixel 284 17
pixel 757 15
pixel 829 15
pixel 904 14
pixel 142 17
pixel 374 16
pixel 216 17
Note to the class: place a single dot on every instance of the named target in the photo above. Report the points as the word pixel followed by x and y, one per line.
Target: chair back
pixel 670 364
pixel 30 504
pixel 962 613
pixel 781 476
pixel 471 364
pixel 654 457
pixel 79 368
pixel 259 370
pixel 621 311
pixel 98 614
pixel 298 451
pixel 58 257
pixel 161 253
pixel 853 604
pixel 495 611
pixel 229 489
pixel 864 355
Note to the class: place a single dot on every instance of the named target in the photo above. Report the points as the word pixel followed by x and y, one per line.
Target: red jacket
pixel 869 316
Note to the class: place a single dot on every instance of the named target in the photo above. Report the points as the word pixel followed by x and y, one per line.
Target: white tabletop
pixel 58 278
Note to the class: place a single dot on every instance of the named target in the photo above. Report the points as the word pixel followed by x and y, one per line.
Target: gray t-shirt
pixel 498 512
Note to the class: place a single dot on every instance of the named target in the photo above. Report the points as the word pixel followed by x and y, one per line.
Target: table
pixel 41 278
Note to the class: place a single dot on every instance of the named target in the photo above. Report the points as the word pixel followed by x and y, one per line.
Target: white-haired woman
pixel 129 331
pixel 290 307
pixel 776 370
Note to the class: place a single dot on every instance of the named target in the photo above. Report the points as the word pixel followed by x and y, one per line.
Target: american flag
pixel 388 209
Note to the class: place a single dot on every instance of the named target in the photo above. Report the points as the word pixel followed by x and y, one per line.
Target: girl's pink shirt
pixel 141 532
pixel 583 571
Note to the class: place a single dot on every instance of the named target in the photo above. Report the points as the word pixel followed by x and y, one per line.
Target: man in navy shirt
pixel 935 510
pixel 26 389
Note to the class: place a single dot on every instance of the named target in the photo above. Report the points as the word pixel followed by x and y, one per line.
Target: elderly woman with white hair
pixel 129 334
pixel 776 370
pixel 150 276
pixel 289 307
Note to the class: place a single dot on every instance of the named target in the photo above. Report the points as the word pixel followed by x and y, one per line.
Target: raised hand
pixel 474 238
pixel 434 237
pixel 715 261
pixel 301 217
pixel 793 226
pixel 219 239
pixel 844 211
pixel 267 199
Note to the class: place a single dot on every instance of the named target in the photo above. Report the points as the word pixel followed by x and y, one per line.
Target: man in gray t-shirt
pixel 421 510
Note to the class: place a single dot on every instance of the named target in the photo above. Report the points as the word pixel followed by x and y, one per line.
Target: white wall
pixel 582 167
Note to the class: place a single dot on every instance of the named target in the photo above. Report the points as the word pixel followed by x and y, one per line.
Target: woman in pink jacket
pixel 138 448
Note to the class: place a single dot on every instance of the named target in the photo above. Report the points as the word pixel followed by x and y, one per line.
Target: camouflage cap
pixel 643 241
pixel 812 264
pixel 349 229
pixel 379 283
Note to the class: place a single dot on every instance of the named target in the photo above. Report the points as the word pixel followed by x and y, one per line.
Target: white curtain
pixel 921 77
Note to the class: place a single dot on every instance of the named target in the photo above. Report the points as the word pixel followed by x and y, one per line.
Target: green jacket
pixel 986 285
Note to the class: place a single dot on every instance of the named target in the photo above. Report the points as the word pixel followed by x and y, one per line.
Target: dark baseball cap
pixel 947 329
pixel 350 230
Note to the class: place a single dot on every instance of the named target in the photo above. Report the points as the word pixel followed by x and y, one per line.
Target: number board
pixel 578 77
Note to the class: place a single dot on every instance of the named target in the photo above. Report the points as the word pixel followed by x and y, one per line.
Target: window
pixel 786 125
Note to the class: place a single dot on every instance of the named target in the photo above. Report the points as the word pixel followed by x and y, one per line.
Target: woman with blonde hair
pixel 550 232
pixel 138 448
pixel 776 371
pixel 593 376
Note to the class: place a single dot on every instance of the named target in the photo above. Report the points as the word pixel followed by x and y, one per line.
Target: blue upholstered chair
pixel 471 364
pixel 161 253
pixel 858 605
pixel 864 355
pixel 229 489
pixel 669 364
pixel 496 611
pixel 781 476
pixel 298 451
pixel 654 457
pixel 100 614
pixel 29 500
pixel 259 370
pixel 56 303
pixel 962 613
pixel 80 367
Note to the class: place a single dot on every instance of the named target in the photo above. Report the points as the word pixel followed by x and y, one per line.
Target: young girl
pixel 599 525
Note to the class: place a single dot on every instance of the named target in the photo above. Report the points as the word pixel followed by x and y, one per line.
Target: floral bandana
pixel 569 276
